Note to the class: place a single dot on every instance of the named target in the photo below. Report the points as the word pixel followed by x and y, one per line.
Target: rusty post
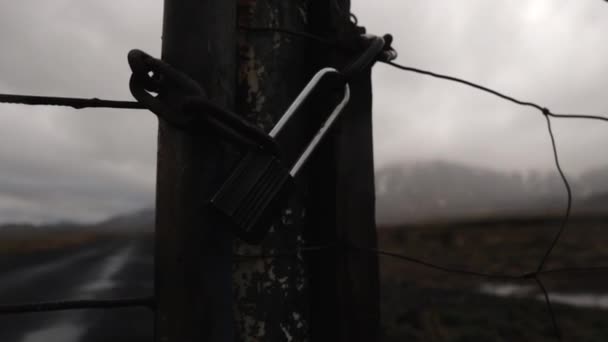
pixel 271 295
pixel 193 254
pixel 344 284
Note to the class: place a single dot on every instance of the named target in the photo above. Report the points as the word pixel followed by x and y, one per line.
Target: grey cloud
pixel 551 52
pixel 58 163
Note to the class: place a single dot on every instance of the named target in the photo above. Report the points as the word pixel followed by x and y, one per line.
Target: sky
pixel 62 164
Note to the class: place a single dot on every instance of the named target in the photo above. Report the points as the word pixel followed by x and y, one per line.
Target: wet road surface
pixel 101 270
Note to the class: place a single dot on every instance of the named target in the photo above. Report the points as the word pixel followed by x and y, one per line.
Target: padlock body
pixel 249 199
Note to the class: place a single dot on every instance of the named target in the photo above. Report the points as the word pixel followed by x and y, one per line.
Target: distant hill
pixel 599 201
pixel 430 192
pixel 138 221
pixel 440 190
pixel 142 220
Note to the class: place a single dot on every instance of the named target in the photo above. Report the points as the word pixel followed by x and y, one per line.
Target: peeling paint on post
pixel 271 300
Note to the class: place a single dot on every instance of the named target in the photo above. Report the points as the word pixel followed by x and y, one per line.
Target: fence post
pixel 193 255
pixel 271 295
pixel 344 284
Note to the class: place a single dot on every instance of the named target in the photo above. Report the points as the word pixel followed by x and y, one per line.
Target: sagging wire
pixel 76 103
pixel 12 309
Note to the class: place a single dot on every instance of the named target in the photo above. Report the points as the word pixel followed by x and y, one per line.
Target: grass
pixel 419 304
pixel 25 244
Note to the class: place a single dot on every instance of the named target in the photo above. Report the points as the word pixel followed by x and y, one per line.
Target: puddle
pixel 581 300
pixel 64 328
pixel 506 290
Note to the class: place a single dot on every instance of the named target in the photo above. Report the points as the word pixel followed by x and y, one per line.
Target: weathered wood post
pixel 344 283
pixel 204 294
pixel 327 295
pixel 193 254
pixel 271 295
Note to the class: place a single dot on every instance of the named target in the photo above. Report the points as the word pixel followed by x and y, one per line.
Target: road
pixel 99 270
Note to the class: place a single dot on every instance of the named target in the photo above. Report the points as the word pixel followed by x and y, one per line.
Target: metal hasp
pixel 250 198
pixel 189 108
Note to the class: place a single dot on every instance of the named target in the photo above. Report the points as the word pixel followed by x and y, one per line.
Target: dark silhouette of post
pixel 321 295
pixel 193 254
pixel 205 293
pixel 271 294
pixel 344 282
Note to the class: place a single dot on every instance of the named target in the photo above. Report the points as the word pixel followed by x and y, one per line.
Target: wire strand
pixel 504 96
pixel 76 103
pixel 543 289
pixel 578 116
pixel 424 263
pixel 574 270
pixel 147 302
pixel 566 218
pixel 439 267
pixel 300 34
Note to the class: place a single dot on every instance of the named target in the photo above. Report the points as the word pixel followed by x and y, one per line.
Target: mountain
pixel 597 201
pixel 142 220
pixel 441 190
pixel 431 191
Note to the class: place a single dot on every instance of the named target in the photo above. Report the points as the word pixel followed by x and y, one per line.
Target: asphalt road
pixel 99 270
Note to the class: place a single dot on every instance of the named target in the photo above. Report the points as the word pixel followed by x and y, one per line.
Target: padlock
pixel 258 187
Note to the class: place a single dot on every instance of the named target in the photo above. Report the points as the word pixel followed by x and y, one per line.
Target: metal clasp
pixel 256 190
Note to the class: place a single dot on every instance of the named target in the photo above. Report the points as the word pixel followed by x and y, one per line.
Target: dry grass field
pixel 421 304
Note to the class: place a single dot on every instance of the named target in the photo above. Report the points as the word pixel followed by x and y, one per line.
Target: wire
pixel 465 82
pixel 577 116
pixel 566 218
pixel 148 302
pixel 548 114
pixel 300 34
pixel 439 267
pixel 424 263
pixel 556 329
pixel 366 59
pixel 543 110
pixel 534 275
pixel 574 269
pixel 76 103
pixel 388 53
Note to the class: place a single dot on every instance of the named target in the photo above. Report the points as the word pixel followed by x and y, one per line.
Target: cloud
pixel 58 163
pixel 551 52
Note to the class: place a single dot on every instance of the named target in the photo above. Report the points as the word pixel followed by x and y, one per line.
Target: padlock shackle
pixel 295 105
pixel 314 143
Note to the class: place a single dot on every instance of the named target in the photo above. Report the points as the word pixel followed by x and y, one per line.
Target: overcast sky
pixel 58 163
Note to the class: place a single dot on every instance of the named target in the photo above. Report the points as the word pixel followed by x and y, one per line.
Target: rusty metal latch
pixel 257 188
pixel 260 184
